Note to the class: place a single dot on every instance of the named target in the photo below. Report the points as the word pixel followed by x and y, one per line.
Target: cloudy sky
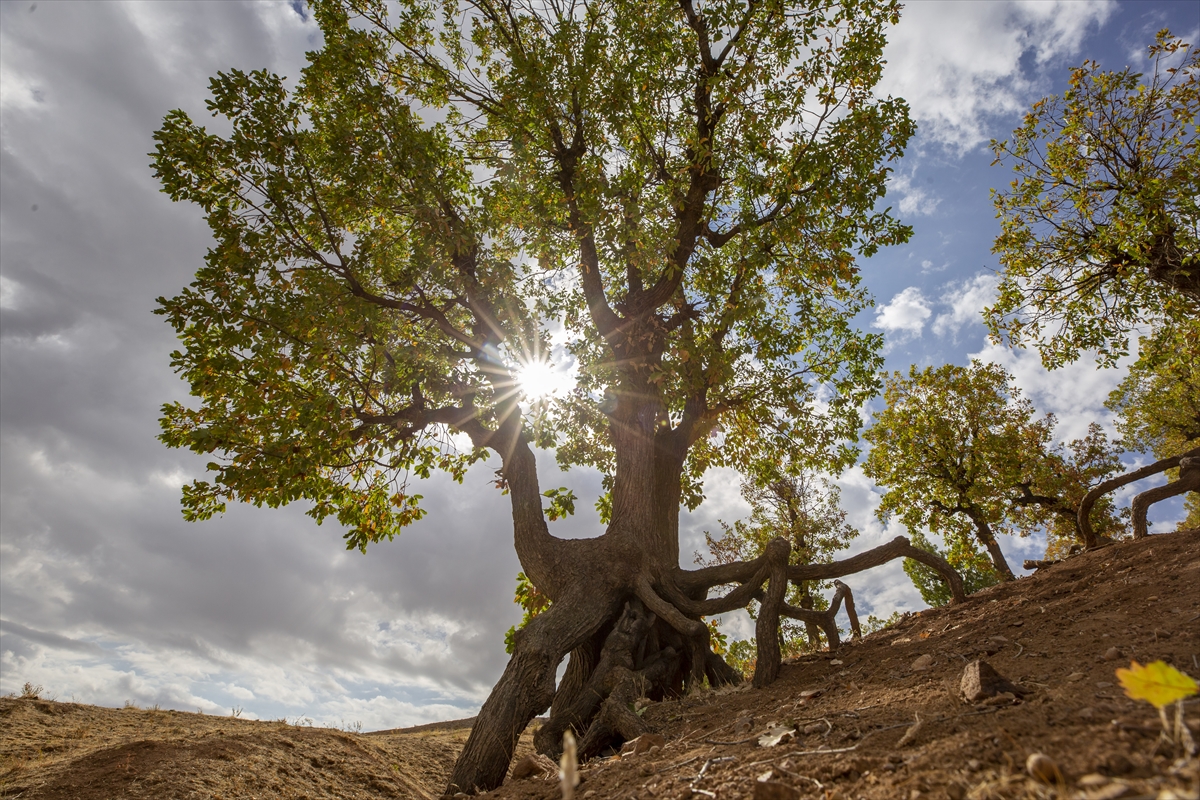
pixel 108 596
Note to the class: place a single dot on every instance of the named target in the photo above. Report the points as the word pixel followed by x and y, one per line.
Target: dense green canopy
pixel 1101 225
pixel 678 194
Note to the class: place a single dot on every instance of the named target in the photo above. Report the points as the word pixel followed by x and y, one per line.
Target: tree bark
pixel 766 627
pixel 524 690
pixel 983 532
pixel 1189 481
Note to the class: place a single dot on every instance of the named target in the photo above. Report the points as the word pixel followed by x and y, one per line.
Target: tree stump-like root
pixel 648 644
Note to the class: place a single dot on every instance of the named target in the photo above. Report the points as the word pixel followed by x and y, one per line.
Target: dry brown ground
pixel 1048 632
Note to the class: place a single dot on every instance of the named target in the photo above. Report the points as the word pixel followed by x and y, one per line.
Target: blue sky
pixel 107 596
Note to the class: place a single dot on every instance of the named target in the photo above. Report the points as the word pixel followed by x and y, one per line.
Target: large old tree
pixel 676 190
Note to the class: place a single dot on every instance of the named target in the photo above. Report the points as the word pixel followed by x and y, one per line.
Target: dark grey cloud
pixel 102 577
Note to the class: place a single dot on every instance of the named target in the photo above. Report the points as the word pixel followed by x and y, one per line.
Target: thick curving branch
pixel 896 548
pixel 1090 539
pixel 1189 481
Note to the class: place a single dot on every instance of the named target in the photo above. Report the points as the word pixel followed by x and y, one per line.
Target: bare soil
pixel 852 708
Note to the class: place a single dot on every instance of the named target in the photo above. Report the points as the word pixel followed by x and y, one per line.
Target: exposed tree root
pixel 649 643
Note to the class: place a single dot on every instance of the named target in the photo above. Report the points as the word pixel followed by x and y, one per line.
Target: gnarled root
pixel 649 643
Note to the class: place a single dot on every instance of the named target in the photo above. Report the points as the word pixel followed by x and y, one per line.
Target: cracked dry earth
pixel 1060 634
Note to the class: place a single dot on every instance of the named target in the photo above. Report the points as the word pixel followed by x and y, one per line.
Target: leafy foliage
pixel 684 191
pixel 975 568
pixel 1158 402
pixel 532 601
pixel 962 455
pixel 1101 226
pixel 803 508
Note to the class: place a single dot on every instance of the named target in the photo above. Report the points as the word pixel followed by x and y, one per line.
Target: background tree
pixel 681 187
pixel 803 508
pixel 1101 226
pixel 964 554
pixel 961 454
pixel 1158 403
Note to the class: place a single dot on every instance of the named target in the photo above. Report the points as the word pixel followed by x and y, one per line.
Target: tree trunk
pixel 983 532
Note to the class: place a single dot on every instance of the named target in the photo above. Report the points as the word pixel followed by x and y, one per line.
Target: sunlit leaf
pixel 1158 683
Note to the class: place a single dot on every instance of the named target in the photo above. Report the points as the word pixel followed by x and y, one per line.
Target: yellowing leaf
pixel 1158 683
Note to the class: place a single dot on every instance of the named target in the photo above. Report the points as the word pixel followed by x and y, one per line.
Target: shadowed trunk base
pixel 645 642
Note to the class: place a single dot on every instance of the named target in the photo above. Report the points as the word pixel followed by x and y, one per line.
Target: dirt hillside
pixel 1059 635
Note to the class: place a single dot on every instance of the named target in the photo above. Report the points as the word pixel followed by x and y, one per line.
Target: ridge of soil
pixel 1049 633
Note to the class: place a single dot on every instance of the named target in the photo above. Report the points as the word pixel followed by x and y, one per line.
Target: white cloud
pixel 959 63
pixel 1075 394
pixel 966 300
pixel 914 201
pixel 904 317
pixel 8 293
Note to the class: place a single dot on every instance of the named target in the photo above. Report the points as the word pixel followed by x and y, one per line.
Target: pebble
pixel 980 681
pixel 1092 780
pixel 1076 676
pixel 1042 768
pixel 1112 654
pixel 525 768
pixel 643 744
pixel 922 663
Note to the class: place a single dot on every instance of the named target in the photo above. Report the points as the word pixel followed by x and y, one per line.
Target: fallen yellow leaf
pixel 1158 683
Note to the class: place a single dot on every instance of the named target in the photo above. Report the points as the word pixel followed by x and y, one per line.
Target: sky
pixel 108 596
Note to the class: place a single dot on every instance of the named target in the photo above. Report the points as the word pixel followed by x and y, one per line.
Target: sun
pixel 539 380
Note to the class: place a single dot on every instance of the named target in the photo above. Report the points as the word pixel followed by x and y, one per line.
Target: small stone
pixel 773 790
pixel 836 662
pixel 1087 712
pixel 642 744
pixel 922 663
pixel 743 725
pixel 1042 768
pixel 973 764
pixel 1112 654
pixel 1103 684
pixel 1076 676
pixel 814 727
pixel 525 768
pixel 1092 780
pixel 809 694
pixel 980 681
pixel 998 639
